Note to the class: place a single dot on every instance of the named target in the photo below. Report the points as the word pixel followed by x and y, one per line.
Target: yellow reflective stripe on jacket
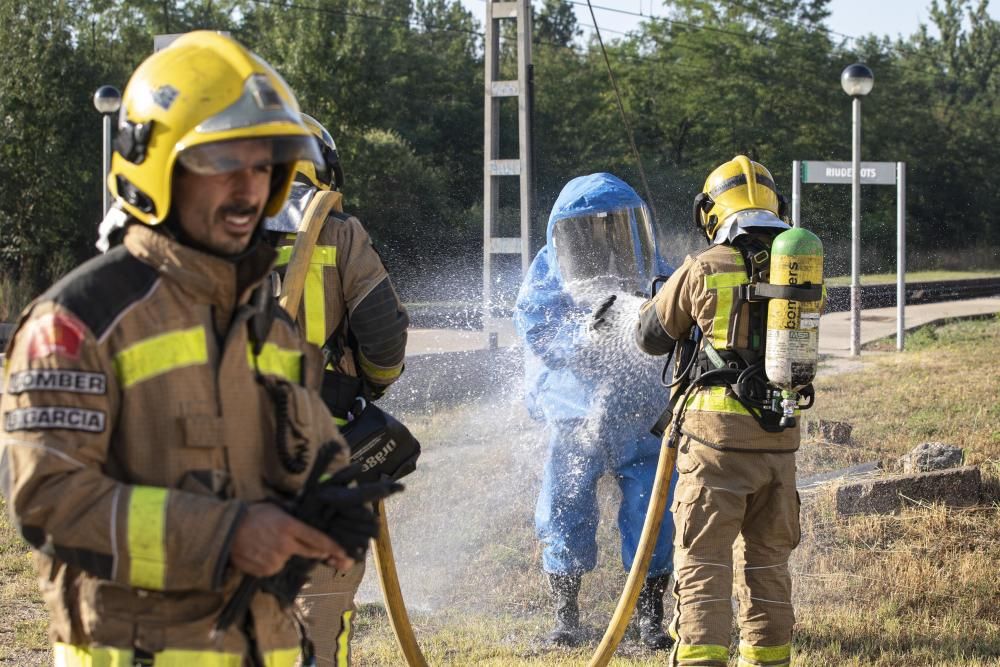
pixel 147 510
pixel 343 656
pixel 379 372
pixel 284 254
pixel 714 399
pixel 702 653
pixel 765 656
pixel 724 284
pixel 67 655
pixel 274 360
pixel 314 297
pixel 283 657
pixel 161 354
pixel 314 291
pixel 314 301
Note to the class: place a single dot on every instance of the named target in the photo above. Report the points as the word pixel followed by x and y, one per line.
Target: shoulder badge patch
pixel 55 417
pixel 76 382
pixel 55 333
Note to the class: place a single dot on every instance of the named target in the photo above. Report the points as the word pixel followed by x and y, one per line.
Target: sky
pixel 850 17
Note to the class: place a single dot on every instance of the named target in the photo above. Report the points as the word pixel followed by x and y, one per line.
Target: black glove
pixel 597 320
pixel 342 511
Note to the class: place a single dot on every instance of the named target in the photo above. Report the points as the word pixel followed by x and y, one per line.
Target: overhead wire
pixel 621 109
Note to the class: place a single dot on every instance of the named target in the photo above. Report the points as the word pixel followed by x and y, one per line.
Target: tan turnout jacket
pixel 346 278
pixel 135 433
pixel 705 291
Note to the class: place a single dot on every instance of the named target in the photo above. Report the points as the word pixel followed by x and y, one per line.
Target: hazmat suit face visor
pixel 614 249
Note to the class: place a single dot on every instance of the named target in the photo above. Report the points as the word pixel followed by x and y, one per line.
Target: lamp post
pixel 857 81
pixel 107 100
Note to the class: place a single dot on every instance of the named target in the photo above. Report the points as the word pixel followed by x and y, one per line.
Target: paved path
pixel 834 336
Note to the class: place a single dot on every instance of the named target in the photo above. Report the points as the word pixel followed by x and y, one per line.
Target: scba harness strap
pixel 740 369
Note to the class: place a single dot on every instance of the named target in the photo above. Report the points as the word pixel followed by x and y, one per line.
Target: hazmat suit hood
pixel 551 316
pixel 600 232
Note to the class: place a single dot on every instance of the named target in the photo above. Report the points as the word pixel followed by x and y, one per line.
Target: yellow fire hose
pixel 385 565
pixel 644 552
pixel 291 296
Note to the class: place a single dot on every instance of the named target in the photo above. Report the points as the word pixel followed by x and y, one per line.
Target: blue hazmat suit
pixel 598 421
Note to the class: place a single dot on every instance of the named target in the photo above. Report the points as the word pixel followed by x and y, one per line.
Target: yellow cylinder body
pixel 792 349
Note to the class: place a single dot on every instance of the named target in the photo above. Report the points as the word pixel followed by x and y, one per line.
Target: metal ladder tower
pixel 494 167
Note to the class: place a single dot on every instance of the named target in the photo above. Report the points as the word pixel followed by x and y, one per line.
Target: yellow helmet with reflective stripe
pixel 738 185
pixel 189 103
pixel 327 174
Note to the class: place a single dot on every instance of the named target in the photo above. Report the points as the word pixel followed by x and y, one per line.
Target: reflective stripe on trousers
pixel 67 655
pixel 344 640
pixel 765 656
pixel 700 655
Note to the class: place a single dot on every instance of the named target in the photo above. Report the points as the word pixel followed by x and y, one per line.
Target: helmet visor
pixel 259 104
pixel 615 245
pixel 223 157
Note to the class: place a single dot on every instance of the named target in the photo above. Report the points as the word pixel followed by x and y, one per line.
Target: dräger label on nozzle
pixel 369 461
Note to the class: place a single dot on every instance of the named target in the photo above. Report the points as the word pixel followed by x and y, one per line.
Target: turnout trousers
pixel 566 514
pixel 328 603
pixel 727 499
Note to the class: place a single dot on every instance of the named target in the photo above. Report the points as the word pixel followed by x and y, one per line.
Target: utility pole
pixel 494 167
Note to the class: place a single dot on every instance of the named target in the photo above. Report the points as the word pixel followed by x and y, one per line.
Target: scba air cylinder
pixel 792 350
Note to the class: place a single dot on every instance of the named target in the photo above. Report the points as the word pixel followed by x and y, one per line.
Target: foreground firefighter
pixel 597 408
pixel 160 408
pixel 350 309
pixel 734 422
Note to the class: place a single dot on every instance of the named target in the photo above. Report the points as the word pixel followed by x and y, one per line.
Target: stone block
pixel 837 433
pixel 956 487
pixel 929 456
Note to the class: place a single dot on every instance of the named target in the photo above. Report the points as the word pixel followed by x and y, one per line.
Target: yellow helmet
pixel 190 103
pixel 326 174
pixel 737 185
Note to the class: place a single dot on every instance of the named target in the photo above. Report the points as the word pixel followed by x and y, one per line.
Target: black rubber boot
pixel 649 610
pixel 565 589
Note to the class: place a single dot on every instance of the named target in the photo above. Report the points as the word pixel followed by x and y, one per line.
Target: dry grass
pixel 919 589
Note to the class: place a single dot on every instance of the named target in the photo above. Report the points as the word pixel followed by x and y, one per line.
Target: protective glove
pixel 597 319
pixel 340 508
pixel 342 511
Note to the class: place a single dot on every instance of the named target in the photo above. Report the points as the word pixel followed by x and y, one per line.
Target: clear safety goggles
pixel 223 157
pixel 616 244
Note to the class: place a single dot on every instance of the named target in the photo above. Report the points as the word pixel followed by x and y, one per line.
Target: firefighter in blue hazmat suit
pixel 597 395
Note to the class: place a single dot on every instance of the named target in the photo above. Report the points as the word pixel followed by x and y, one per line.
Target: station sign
pixel 872 173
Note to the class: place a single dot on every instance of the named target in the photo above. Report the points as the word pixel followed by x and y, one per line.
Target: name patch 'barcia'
pixel 77 382
pixel 74 419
